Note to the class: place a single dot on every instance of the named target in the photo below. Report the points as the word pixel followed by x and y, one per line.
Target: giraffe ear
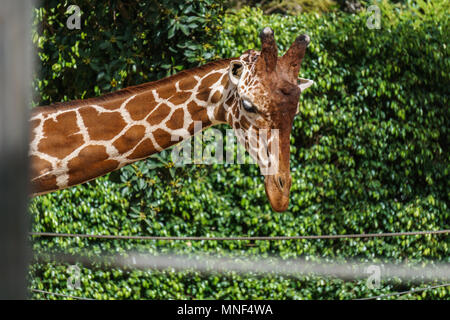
pixel 235 72
pixel 304 84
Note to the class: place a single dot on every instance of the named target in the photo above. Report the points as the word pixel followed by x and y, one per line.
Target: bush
pixel 369 154
pixel 135 42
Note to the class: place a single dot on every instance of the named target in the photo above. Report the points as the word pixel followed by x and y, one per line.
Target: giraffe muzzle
pixel 278 188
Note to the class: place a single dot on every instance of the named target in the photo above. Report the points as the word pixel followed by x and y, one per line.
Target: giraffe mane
pixel 132 89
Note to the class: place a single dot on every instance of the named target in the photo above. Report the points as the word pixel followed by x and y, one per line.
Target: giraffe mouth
pixel 278 188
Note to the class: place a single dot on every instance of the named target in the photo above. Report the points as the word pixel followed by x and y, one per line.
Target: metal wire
pixel 369 298
pixel 268 238
pixel 59 294
pixel 405 292
pixel 292 267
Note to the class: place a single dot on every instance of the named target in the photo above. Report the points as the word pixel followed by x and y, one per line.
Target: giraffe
pixel 77 141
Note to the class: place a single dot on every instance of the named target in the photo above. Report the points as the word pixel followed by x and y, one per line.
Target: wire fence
pixel 244 265
pixel 412 291
pixel 59 294
pixel 249 238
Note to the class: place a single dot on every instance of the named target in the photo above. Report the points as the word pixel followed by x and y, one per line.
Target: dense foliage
pixel 369 154
pixel 284 6
pixel 135 42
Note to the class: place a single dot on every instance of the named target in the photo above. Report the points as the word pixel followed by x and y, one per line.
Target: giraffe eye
pixel 248 106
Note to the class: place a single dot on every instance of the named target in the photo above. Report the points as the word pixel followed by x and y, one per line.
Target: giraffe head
pixel 266 92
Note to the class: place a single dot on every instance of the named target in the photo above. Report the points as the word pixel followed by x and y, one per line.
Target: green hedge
pixel 119 44
pixel 369 154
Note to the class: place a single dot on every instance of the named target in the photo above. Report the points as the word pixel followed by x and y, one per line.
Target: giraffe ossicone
pixel 257 94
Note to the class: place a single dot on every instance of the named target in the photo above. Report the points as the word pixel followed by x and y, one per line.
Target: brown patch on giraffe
pixel 177 120
pixel 210 80
pixel 230 101
pixel 187 84
pixel 159 114
pixel 102 125
pixel 229 118
pixel 91 162
pixel 144 149
pixel 167 91
pixel 162 137
pixel 225 81
pixel 244 123
pixel 62 136
pixel 180 98
pixel 216 97
pixel 141 106
pixel 191 128
pixel 129 139
pixel 33 125
pixel 39 166
pixel 197 113
pixel 203 94
pixel 205 85
pixel 43 184
pixel 235 111
pixel 220 114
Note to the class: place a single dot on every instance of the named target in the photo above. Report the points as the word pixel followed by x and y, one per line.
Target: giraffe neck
pixel 75 142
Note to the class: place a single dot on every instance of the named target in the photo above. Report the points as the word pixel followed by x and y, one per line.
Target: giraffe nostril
pixel 281 182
